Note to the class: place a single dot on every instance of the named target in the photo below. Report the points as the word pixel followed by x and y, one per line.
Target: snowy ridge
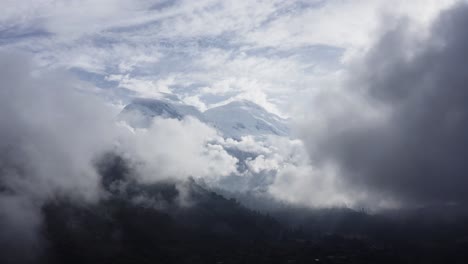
pixel 242 118
pixel 141 111
pixel 233 120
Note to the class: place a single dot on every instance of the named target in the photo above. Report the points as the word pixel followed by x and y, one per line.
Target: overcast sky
pixel 375 92
pixel 352 75
pixel 271 52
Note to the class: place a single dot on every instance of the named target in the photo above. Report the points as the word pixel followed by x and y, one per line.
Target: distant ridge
pixel 234 120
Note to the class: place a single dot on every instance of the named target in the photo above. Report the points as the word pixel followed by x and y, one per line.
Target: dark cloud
pixel 417 152
pixel 50 133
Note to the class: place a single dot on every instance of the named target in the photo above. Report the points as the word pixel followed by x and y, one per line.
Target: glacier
pixel 233 120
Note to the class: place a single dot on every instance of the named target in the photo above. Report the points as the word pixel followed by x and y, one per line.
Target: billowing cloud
pixel 50 130
pixel 398 129
pixel 174 149
pixel 50 135
pixel 393 133
pixel 270 52
pixel 54 131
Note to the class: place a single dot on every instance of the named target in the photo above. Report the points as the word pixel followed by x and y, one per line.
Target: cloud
pixel 269 52
pixel 280 169
pixel 19 222
pixel 181 41
pixel 50 130
pixel 277 54
pixel 334 22
pixel 53 132
pixel 398 130
pixel 167 150
pixel 69 20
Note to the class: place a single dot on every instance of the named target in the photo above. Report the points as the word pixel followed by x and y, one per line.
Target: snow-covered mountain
pixel 242 118
pixel 233 120
pixel 141 111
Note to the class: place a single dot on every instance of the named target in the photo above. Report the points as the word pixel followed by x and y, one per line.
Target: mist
pixel 55 130
pixel 398 129
pixel 325 147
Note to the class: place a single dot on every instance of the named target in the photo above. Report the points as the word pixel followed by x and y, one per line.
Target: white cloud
pixel 347 24
pixel 244 49
pixel 173 149
pixel 285 56
pixel 53 133
pixel 147 88
pixel 248 144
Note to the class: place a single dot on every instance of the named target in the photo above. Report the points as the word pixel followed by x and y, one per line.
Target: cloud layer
pixel 401 132
pixel 270 52
pixel 381 130
pixel 54 131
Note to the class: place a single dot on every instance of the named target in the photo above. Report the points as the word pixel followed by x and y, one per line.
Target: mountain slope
pixel 141 111
pixel 147 223
pixel 242 118
pixel 233 120
pixel 151 223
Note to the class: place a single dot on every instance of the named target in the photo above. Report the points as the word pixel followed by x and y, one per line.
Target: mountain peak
pixel 141 111
pixel 243 117
pixel 244 103
pixel 235 119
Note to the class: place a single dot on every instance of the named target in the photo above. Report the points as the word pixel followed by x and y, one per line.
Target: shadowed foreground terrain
pixel 187 223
